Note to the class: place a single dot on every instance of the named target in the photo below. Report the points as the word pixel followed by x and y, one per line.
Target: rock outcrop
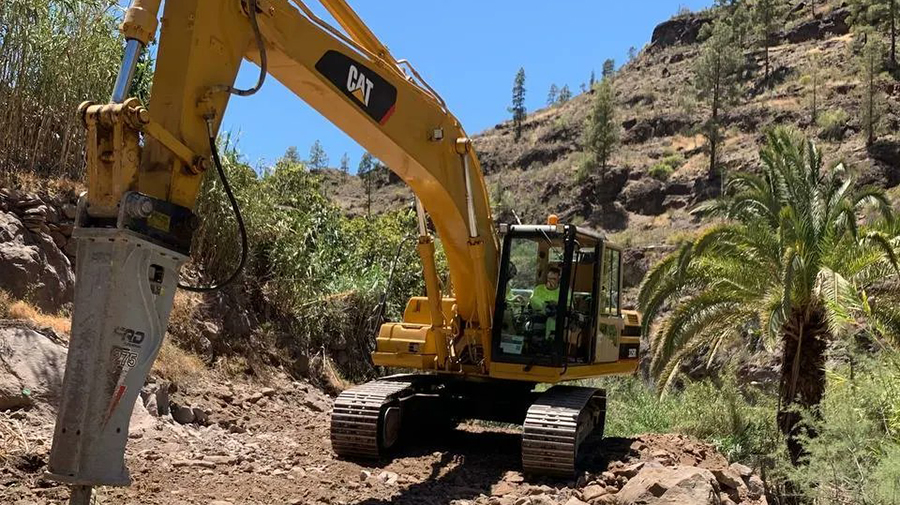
pixel 833 24
pixel 679 30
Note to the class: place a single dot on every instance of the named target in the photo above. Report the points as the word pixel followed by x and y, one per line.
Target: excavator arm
pixel 145 166
pixel 354 82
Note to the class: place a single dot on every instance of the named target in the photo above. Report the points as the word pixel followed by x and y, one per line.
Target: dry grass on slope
pixel 11 308
pixel 177 365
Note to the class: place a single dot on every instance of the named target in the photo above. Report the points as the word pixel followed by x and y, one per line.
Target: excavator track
pixel 557 424
pixel 365 420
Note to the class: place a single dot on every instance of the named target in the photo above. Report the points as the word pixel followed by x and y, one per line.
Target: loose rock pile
pixel 664 469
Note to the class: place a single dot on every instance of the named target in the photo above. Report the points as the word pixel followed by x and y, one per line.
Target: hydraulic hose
pixel 242 229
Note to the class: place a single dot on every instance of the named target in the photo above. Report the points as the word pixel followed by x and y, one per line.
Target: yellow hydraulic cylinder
pixel 426 253
pixel 140 21
pixel 484 296
pixel 433 291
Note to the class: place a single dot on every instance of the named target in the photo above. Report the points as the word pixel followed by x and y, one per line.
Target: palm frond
pixel 883 243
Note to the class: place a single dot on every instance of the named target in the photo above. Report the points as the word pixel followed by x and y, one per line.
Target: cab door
pixel 609 307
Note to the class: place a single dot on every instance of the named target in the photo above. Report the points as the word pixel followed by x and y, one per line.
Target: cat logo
pixel 372 93
pixel 359 85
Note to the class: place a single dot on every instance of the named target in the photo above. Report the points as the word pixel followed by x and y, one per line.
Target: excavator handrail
pixel 334 31
pixel 422 81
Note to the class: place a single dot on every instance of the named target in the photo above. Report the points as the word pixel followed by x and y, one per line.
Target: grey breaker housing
pixel 124 291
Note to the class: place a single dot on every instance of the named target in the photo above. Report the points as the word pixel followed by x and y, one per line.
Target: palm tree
pixel 789 260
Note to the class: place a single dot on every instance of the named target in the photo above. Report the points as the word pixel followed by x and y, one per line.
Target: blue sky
pixel 556 42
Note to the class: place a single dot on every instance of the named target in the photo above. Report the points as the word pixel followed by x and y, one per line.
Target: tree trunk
pixel 815 98
pixel 767 60
pixel 870 119
pixel 805 340
pixel 893 33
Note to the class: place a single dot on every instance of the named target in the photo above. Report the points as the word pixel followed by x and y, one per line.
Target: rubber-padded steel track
pixel 556 425
pixel 357 415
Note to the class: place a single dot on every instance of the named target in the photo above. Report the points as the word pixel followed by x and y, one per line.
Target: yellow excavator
pixel 530 304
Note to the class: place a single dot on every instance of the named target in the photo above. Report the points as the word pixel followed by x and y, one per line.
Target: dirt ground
pixel 270 445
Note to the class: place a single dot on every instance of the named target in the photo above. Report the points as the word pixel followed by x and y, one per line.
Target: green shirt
pixel 542 295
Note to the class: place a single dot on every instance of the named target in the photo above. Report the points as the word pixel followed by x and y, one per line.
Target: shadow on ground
pixel 479 459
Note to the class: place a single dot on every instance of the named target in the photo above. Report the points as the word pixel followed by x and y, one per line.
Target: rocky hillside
pixel 539 174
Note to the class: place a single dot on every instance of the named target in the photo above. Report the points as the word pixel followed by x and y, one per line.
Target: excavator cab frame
pixel 583 326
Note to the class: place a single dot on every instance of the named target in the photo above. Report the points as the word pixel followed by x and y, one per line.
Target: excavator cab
pixel 559 298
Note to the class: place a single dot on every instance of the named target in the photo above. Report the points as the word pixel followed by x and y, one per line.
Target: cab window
pixel 533 274
pixel 610 282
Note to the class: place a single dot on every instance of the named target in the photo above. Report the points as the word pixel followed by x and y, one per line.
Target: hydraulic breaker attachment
pixel 126 281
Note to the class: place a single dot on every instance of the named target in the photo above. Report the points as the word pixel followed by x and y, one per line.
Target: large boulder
pixel 31 368
pixel 885 170
pixel 679 30
pixel 833 24
pixel 680 485
pixel 644 196
pixel 32 266
pixel 635 266
pixel 638 131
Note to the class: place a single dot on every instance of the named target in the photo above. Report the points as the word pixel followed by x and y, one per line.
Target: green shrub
pixel 661 171
pixel 316 274
pixel 855 455
pixel 832 124
pixel 586 167
pixel 665 167
pixel 741 424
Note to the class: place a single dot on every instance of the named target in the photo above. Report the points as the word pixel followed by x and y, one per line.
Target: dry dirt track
pixel 283 457
pixel 270 446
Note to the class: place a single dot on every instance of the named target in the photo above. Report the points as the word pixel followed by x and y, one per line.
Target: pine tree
pixel 769 16
pixel 552 95
pixel 812 81
pixel 291 156
pixel 318 159
pixel 632 53
pixel 609 68
pixel 565 94
pixel 739 14
pixel 593 79
pixel 345 163
pixel 870 68
pixel 364 171
pixel 518 103
pixel 501 198
pixel 602 130
pixel 741 18
pixel 879 15
pixel 715 82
